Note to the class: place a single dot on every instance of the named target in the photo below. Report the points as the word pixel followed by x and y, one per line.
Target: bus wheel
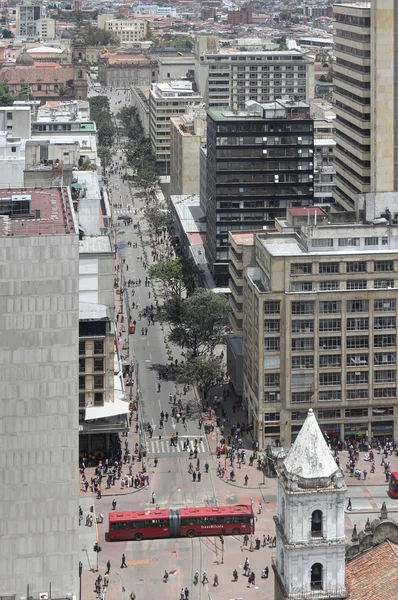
pixel 138 537
pixel 191 533
pixel 236 531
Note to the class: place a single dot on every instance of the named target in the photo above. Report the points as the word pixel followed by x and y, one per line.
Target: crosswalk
pixel 164 447
pixel 127 210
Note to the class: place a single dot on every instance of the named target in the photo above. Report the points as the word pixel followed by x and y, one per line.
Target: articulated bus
pixel 393 485
pixel 181 522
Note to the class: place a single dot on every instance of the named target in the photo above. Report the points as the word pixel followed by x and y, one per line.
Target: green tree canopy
pixel 7 34
pixel 5 98
pixel 92 36
pixel 202 371
pixel 147 178
pixel 177 276
pixel 198 323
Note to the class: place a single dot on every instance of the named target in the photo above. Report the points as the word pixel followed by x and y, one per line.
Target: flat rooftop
pixel 49 212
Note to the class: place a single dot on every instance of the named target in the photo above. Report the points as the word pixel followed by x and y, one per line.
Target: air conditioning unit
pixel 43 596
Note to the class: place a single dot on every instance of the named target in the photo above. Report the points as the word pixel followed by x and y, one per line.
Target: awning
pixel 77 186
pixel 110 409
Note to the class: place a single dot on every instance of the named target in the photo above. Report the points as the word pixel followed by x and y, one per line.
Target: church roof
pixel 310 457
pixel 374 574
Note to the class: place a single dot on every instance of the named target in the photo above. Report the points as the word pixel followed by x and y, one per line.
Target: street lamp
pixel 80 579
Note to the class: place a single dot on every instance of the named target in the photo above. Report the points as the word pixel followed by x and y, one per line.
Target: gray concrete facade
pixel 39 542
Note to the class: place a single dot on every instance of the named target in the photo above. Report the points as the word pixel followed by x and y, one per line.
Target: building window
pixel 330 307
pixel 98 382
pixel 302 308
pixel 303 344
pixel 82 365
pixel 357 306
pixel 271 380
pixel 316 523
pixel 272 397
pixel 98 347
pixel 82 348
pixel 13 148
pixel 298 416
pixel 383 266
pixel 98 399
pixel 329 396
pixel 272 307
pixel 303 326
pixel 275 416
pixel 329 285
pixel 301 268
pixel 322 243
pixel 302 362
pixel 271 344
pixel 329 267
pixel 271 325
pixel 358 341
pixel 82 382
pixel 390 392
pixel 329 379
pixel 355 412
pixel 329 414
pixel 383 283
pixel 358 324
pixel 386 305
pixel 385 323
pixel 329 360
pixel 385 358
pixel 384 341
pixel 357 377
pixel 304 380
pixel 356 267
pixel 301 286
pixel 98 364
pixel 385 376
pixel 349 241
pixel 329 324
pixel 317 576
pixel 82 400
pixel 358 394
pixel 330 343
pixel 356 284
pixel 357 360
pixel 301 397
pixel 371 241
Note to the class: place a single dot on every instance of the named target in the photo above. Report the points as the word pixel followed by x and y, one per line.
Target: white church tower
pixel 310 548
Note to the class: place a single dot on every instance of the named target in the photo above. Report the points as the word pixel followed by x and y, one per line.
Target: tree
pixel 101 114
pixel 86 165
pixel 147 178
pixel 203 371
pixel 130 120
pixel 202 318
pixel 106 133
pixel 177 276
pixel 25 93
pixel 5 98
pixel 92 36
pixel 7 34
pixel 105 155
pixel 140 154
pixel 156 215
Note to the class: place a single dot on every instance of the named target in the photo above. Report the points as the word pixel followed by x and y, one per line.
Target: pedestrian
pixel 186 591
pixel 260 508
pixel 245 539
pixel 246 566
pixel 199 476
pixel 153 497
pixel 182 594
pixel 246 479
pixel 265 541
pixel 235 575
pixel 108 567
pixel 365 473
pixel 106 580
pixel 349 505
pixel 123 562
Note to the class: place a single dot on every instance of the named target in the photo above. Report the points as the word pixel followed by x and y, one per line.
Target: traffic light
pixel 221 538
pixel 97 548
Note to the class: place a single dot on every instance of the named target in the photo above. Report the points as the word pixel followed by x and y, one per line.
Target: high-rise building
pixel 226 78
pixel 167 100
pixel 259 163
pixel 366 99
pixel 26 20
pixel 39 260
pixel 320 323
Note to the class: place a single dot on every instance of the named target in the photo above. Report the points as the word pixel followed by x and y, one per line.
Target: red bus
pixel 181 522
pixel 393 485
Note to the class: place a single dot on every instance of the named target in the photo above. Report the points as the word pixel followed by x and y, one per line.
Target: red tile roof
pixel 29 75
pixel 374 574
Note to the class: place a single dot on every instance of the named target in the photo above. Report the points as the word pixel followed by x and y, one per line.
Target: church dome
pixel 66 35
pixel 25 60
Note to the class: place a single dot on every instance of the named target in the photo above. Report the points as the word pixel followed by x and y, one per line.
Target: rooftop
pixel 43 211
pixel 310 459
pixel 89 311
pixel 95 245
pixel 374 574
pixel 304 211
pixel 245 238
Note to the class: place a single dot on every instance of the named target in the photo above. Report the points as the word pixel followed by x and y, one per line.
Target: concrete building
pixel 167 100
pixel 125 68
pixel 187 133
pixel 50 162
pixel 16 121
pixel 175 67
pixel 155 9
pixel 140 99
pixel 26 19
pixel 127 30
pixel 243 16
pixel 319 323
pixel 226 78
pixel 45 28
pixel 259 162
pixel 39 503
pixel 310 540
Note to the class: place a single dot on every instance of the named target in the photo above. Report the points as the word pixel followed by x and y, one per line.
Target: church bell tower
pixel 310 549
pixel 79 63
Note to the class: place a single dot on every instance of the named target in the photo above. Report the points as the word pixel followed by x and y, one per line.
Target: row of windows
pixel 307 307
pixel 352 360
pixel 98 382
pixel 98 347
pixel 98 364
pixel 379 266
pixel 335 395
pixel 354 284
pixel 353 324
pixel 348 413
pixel 329 242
